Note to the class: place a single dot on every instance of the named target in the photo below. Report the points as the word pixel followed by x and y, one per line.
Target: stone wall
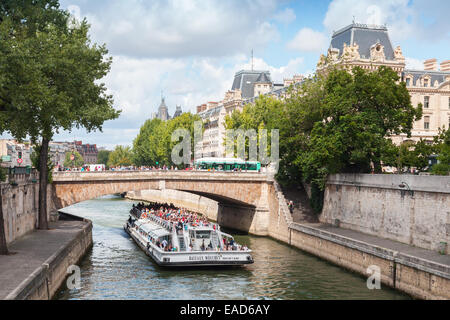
pixel 417 214
pixel 21 207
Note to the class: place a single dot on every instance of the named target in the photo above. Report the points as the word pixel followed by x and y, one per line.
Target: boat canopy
pixel 154 230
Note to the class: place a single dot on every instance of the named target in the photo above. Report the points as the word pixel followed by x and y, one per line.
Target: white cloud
pixel 308 40
pixel 286 16
pixel 173 28
pixel 426 20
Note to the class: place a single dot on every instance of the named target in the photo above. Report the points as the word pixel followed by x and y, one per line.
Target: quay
pixel 367 220
pixel 37 264
pixel 421 273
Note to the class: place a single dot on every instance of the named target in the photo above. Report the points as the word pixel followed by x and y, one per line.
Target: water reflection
pixel 117 269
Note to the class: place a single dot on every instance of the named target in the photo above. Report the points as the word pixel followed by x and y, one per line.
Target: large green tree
pixel 78 160
pixel 103 156
pixel 121 156
pixel 442 147
pixel 50 76
pixel 333 122
pixel 359 112
pixel 153 145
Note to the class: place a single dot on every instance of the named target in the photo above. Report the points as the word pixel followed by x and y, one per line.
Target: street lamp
pixel 403 184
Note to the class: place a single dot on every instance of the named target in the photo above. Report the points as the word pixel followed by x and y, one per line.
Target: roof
pixel 438 76
pixel 364 36
pixel 244 80
pixel 263 78
pixel 154 230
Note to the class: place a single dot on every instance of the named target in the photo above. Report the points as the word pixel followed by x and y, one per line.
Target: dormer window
pixel 408 82
pixel 425 83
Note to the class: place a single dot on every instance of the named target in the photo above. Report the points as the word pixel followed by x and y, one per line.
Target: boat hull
pixel 192 259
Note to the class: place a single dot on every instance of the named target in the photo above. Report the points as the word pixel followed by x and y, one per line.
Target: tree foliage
pixel 442 142
pixel 335 122
pixel 77 162
pixel 103 157
pixel 50 76
pixel 153 145
pixel 121 156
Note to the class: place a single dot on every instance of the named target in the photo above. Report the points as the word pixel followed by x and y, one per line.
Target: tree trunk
pixel 3 247
pixel 43 181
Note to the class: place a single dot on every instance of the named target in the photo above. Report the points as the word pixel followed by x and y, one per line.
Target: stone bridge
pixel 242 197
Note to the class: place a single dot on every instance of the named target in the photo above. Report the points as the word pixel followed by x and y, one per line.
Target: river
pixel 116 268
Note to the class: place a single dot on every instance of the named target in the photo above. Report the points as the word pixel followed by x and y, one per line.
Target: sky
pixel 189 50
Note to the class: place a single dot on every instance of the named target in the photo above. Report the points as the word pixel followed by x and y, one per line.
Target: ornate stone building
pixel 369 47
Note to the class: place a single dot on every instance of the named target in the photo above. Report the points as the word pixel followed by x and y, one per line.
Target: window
pixel 426 123
pixel 426 102
pixel 408 82
pixel 425 83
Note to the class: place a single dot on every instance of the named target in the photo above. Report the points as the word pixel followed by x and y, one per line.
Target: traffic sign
pixel 19 161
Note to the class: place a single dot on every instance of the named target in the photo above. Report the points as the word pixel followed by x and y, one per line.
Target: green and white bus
pixel 227 164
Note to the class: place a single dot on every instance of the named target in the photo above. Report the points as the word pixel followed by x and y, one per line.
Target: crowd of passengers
pixel 180 218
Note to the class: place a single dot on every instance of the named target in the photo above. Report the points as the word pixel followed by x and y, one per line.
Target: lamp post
pixel 403 184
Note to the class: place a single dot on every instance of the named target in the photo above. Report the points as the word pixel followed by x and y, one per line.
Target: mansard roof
pixel 438 76
pixel 244 80
pixel 364 36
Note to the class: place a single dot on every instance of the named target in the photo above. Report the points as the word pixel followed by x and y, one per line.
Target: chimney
pixel 430 65
pixel 445 65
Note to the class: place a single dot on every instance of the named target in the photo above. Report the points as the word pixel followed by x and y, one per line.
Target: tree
pixel 153 145
pixel 121 156
pixel 442 145
pixel 103 156
pixel 360 111
pixel 77 162
pixel 50 76
pixel 35 161
pixel 334 122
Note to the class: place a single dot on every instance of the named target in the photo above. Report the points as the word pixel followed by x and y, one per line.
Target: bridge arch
pixel 242 197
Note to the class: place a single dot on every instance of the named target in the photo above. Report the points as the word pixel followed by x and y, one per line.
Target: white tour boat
pixel 190 244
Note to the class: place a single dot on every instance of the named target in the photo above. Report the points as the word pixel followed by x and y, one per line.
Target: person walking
pixel 291 206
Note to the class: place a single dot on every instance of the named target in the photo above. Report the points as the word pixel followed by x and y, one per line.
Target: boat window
pixel 202 234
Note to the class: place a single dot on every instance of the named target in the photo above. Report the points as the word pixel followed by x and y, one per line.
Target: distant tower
pixel 178 112
pixel 163 111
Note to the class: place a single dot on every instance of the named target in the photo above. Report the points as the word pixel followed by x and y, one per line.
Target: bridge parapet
pixel 65 177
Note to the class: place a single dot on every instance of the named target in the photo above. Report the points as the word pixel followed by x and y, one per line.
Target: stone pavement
pixel 32 250
pixel 420 253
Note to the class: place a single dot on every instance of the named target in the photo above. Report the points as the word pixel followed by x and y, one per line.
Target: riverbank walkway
pixel 430 258
pixel 28 254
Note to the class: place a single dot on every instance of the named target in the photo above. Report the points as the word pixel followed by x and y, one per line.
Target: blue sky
pixel 191 49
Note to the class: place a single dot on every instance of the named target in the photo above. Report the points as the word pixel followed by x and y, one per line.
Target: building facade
pixel 369 47
pixel 247 86
pixel 89 152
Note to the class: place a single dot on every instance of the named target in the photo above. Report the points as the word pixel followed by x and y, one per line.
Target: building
pixel 89 152
pixel 369 47
pixel 246 87
pixel 11 151
pixel 163 111
pixel 58 152
pixel 178 112
pixel 245 81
